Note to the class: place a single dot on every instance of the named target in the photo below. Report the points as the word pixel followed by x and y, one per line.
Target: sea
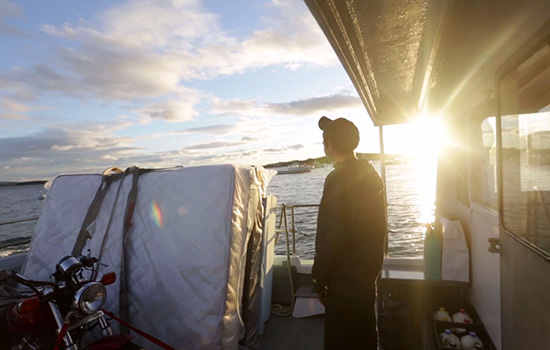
pixel 410 194
pixel 410 187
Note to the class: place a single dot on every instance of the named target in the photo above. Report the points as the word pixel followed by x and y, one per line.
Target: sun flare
pixel 422 138
pixel 428 135
pixel 420 143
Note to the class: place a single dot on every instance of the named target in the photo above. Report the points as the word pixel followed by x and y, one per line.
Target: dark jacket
pixel 351 229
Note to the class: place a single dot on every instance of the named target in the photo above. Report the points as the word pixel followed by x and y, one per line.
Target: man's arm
pixel 328 232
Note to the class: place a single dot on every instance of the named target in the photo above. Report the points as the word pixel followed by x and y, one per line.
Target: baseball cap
pixel 340 132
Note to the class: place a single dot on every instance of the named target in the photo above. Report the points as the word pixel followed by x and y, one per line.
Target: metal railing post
pixel 383 171
pixel 293 231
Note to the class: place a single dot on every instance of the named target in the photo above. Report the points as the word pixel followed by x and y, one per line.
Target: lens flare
pixel 156 214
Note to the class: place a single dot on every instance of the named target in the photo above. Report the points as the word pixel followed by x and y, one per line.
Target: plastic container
pixel 462 317
pixel 471 342
pixel 432 254
pixel 449 340
pixel 442 315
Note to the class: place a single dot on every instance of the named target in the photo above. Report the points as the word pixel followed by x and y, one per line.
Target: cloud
pixel 8 9
pixel 316 105
pixel 110 157
pixel 11 109
pixel 221 129
pixel 215 144
pixel 284 149
pixel 57 150
pixel 235 156
pixel 146 49
pixel 144 55
pixel 303 107
pixel 172 110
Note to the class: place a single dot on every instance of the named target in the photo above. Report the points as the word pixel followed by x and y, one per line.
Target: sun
pixel 422 138
pixel 428 136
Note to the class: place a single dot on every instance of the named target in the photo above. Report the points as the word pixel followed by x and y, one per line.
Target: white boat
pixel 483 68
pixel 294 169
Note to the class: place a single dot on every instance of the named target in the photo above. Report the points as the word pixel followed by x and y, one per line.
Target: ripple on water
pixel 410 207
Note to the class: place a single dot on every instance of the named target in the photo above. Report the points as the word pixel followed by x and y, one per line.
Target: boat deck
pixel 292 333
pixel 404 299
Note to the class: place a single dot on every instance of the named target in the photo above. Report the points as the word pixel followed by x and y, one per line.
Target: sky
pixel 87 85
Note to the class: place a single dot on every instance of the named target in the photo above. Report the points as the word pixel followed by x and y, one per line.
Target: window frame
pixel 509 67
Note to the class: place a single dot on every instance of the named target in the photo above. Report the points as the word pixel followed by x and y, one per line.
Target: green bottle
pixel 432 254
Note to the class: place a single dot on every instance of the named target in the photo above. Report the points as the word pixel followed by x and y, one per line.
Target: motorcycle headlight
pixel 90 298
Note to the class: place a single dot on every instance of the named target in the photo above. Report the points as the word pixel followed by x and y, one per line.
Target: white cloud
pixel 110 157
pixel 300 108
pixel 166 25
pixel 143 55
pixel 145 49
pixel 211 129
pixel 172 110
pixel 11 109
pixel 62 149
pixel 284 149
pixel 213 145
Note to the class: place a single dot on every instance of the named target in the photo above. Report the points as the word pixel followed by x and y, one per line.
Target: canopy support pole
pixel 383 174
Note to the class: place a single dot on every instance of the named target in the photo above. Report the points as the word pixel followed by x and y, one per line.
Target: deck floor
pixel 292 333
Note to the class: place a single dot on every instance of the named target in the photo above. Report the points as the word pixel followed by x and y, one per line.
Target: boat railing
pixel 289 229
pixel 283 227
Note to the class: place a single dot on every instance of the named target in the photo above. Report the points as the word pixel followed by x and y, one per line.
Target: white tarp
pixel 185 251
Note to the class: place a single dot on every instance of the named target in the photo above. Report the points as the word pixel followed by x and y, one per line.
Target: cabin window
pixel 524 95
pixel 526 176
pixel 484 164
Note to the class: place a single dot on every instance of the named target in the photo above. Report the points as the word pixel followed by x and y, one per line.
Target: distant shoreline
pixel 24 183
pixel 308 162
pixel 324 160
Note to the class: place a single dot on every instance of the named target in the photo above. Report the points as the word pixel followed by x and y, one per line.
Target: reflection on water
pixel 411 197
pixel 18 202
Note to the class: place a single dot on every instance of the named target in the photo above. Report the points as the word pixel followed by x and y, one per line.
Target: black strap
pixel 129 214
pixel 93 211
pixel 110 176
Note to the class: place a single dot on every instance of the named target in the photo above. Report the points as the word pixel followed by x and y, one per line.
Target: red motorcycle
pixel 58 315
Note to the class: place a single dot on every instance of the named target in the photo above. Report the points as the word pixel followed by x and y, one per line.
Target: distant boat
pixel 294 170
pixel 395 161
pixel 42 196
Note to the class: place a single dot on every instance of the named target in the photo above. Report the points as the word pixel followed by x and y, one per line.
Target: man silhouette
pixel 350 241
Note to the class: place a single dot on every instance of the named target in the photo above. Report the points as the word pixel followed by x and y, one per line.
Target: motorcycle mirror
pixel 108 278
pixel 90 230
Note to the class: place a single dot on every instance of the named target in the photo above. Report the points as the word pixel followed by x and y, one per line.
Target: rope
pixel 59 341
pixel 140 332
pixel 278 309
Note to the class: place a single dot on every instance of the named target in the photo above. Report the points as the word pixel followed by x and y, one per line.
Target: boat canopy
pixel 414 57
